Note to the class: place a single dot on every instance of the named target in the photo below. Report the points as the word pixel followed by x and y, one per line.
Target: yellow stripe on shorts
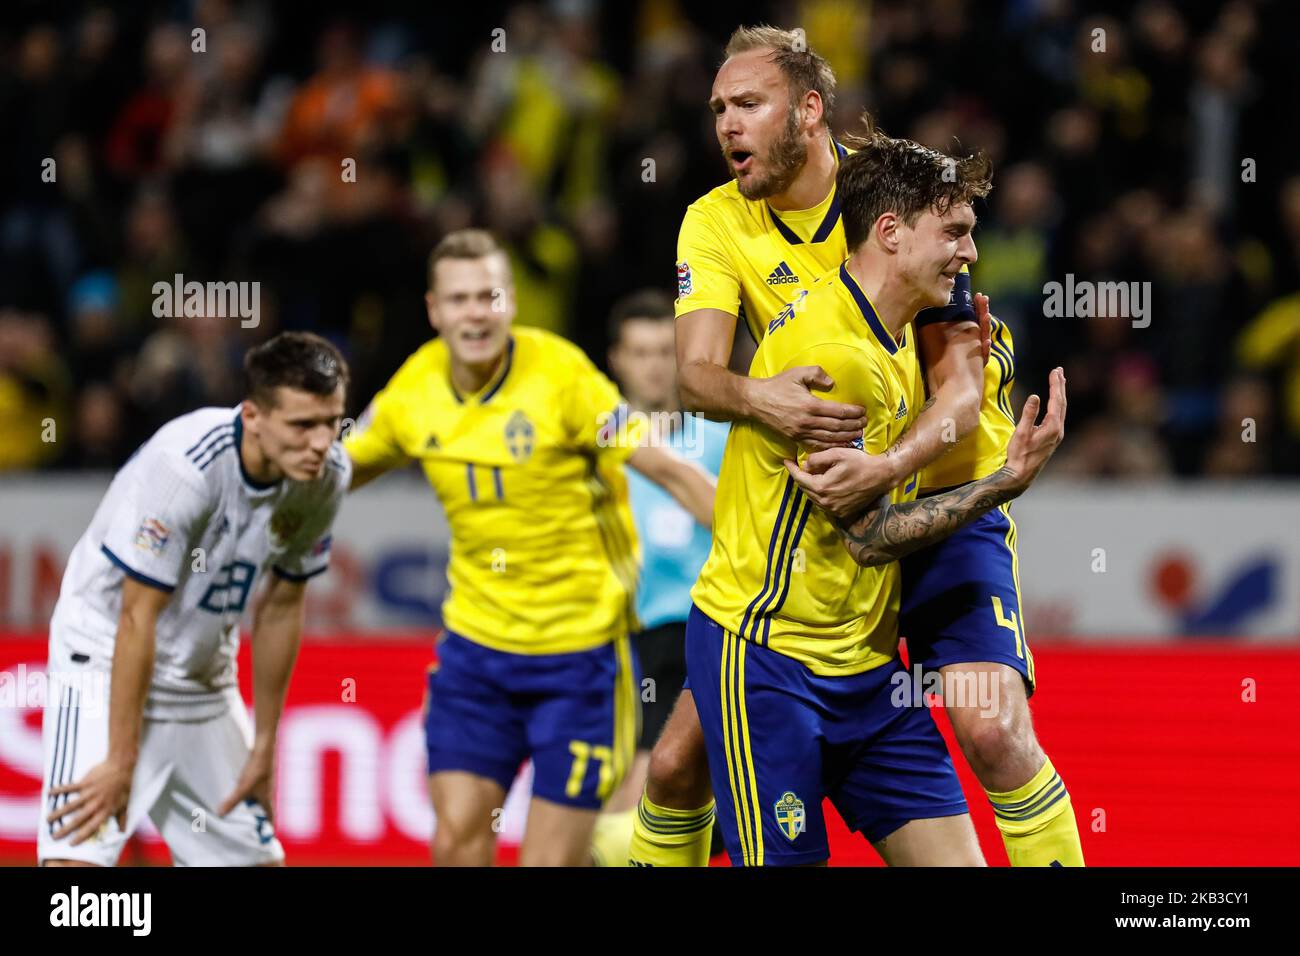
pixel 1013 540
pixel 627 711
pixel 735 731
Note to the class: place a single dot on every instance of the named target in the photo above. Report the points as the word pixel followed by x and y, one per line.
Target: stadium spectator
pixel 1121 157
pixel 34 392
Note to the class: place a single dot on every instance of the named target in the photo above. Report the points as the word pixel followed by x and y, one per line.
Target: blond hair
pixel 803 69
pixel 463 244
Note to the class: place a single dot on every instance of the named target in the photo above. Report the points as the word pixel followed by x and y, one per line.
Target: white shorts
pixel 184 771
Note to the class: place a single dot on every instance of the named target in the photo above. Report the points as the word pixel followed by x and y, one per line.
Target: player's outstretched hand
pixel 255 782
pixel 986 325
pixel 101 794
pixel 843 481
pixel 1033 444
pixel 786 404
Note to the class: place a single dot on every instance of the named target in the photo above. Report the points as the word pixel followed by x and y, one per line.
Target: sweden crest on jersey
pixel 790 816
pixel 519 436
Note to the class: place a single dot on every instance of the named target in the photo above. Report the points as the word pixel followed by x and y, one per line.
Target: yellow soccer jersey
pixel 778 573
pixel 739 256
pixel 543 548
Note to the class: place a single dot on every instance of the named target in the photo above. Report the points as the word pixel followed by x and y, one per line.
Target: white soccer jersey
pixel 183 515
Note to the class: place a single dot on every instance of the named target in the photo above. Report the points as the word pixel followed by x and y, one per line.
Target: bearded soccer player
pixel 779 218
pixel 520 437
pixel 792 644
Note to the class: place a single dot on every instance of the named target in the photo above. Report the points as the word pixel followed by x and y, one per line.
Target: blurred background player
pixel 523 441
pixel 744 251
pixel 643 359
pixel 144 714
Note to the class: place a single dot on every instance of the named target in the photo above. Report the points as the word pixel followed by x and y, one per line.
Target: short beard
pixel 786 158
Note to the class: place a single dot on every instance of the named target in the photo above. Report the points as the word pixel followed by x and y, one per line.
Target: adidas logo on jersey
pixel 782 275
pixel 902 410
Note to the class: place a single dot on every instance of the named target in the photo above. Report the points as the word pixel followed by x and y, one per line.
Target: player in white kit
pixel 144 714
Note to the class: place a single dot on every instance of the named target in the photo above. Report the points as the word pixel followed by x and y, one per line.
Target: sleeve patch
pixel 152 536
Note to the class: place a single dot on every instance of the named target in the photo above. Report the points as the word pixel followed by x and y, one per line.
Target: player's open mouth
pixel 479 336
pixel 741 159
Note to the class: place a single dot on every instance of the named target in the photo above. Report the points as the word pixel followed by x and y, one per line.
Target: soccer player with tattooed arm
pixel 742 249
pixel 792 643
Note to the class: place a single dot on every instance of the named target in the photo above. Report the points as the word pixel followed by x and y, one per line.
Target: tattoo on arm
pixel 886 532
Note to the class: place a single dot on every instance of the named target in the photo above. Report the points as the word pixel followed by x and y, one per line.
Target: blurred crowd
pixel 322 150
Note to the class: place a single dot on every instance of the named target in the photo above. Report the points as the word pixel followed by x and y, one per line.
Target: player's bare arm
pixel 887 532
pixel 375 453
pixel 104 790
pixel 783 402
pixel 954 356
pixel 843 481
pixel 277 634
pixel 688 483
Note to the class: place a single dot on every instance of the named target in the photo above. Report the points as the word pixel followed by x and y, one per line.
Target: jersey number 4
pixel 1011 623
pixel 229 591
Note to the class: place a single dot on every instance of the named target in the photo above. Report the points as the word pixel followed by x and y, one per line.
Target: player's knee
pixel 997 745
pixel 460 826
pixel 679 774
pixel 461 846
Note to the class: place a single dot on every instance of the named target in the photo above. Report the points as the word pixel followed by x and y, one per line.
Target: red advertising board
pixel 1174 756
